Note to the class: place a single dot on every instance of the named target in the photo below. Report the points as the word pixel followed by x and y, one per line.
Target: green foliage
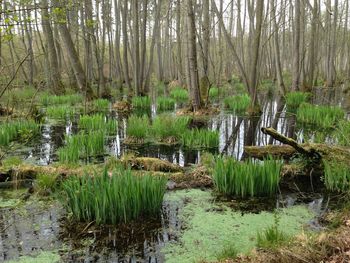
pixel 141 102
pixel 114 198
pixel 246 178
pixel 228 252
pixel 97 122
pixel 295 99
pixel 272 236
pixel 200 138
pixel 238 103
pixel 167 126
pixel 49 99
pixel 164 103
pixel 18 130
pixel 343 133
pixel 179 94
pixel 101 105
pixel 321 116
pixel 137 127
pixel 213 93
pixel 45 183
pixel 82 145
pixel 336 177
pixel 59 112
pixel 11 162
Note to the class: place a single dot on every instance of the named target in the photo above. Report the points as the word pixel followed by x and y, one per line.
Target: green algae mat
pixel 209 226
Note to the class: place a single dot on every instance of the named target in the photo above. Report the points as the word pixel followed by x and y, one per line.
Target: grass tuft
pixel 59 112
pixel 18 130
pixel 336 177
pixel 295 99
pixel 200 138
pixel 115 197
pixel 49 99
pixel 97 122
pixel 213 93
pixel 164 103
pixel 179 94
pixel 169 128
pixel 101 105
pixel 238 103
pixel 245 179
pixel 137 127
pixel 141 102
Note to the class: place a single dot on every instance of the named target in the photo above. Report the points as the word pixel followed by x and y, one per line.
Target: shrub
pixel 114 198
pixel 179 94
pixel 322 116
pixel 164 103
pixel 336 177
pixel 200 138
pixel 238 103
pixel 141 102
pixel 97 122
pixel 137 127
pixel 245 179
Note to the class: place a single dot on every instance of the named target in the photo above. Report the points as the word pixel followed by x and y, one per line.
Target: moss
pixel 42 257
pixel 209 227
pixel 12 198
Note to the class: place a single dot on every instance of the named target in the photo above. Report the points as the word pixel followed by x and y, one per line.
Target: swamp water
pixel 194 226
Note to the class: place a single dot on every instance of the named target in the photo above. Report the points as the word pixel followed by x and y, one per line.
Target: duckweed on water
pixel 208 231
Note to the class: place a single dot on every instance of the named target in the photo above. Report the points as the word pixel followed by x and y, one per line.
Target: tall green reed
pixel 17 130
pixel 200 138
pixel 295 99
pixel 167 126
pixel 238 103
pixel 336 176
pixel 164 103
pixel 179 94
pixel 137 127
pixel 97 122
pixel 141 102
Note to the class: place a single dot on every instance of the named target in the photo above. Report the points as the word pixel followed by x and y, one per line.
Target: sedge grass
pixel 321 116
pixel 336 177
pixel 166 126
pixel 179 94
pixel 200 138
pixel 238 103
pixel 244 179
pixel 59 112
pixel 164 103
pixel 213 93
pixel 295 99
pixel 97 122
pixel 49 99
pixel 141 102
pixel 11 131
pixel 101 105
pixel 114 198
pixel 137 127
pixel 343 133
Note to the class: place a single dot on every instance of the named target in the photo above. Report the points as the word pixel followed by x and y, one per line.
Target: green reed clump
pixel 167 126
pixel 45 183
pixel 272 237
pixel 18 130
pixel 59 112
pixel 245 179
pixel 141 102
pixel 213 93
pixel 179 94
pixel 114 198
pixel 200 138
pixel 336 177
pixel 164 103
pixel 101 105
pixel 238 103
pixel 343 133
pixel 82 145
pixel 295 99
pixel 137 127
pixel 49 99
pixel 97 122
pixel 322 116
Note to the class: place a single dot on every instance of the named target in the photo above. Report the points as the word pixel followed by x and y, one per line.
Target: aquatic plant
pixel 114 197
pixel 82 145
pixel 238 103
pixel 272 236
pixel 59 112
pixel 213 92
pixel 137 127
pixel 248 178
pixel 164 103
pixel 336 176
pixel 295 99
pixel 200 138
pixel 49 99
pixel 18 130
pixel 322 116
pixel 141 102
pixel 167 127
pixel 342 133
pixel 101 105
pixel 11 161
pixel 45 183
pixel 97 122
pixel 179 94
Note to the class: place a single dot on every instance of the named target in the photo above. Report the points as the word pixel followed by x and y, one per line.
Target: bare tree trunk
pixel 296 48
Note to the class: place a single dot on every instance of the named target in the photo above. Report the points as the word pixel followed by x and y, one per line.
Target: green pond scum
pixel 210 227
